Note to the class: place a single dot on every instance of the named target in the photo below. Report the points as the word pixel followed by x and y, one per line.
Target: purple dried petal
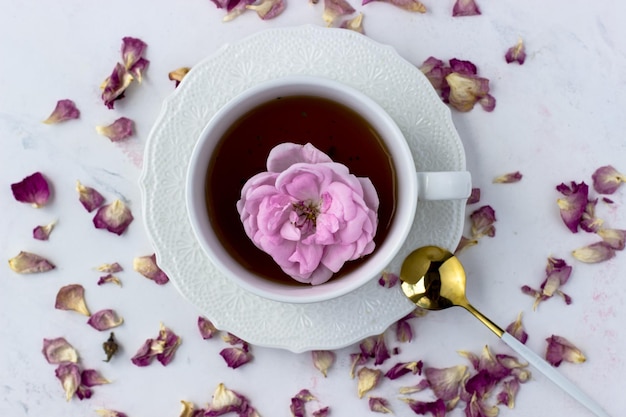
pixel 305 395
pixel 225 401
pixel 355 24
pixel 481 383
pixel 516 53
pixel 29 263
pixel 508 178
pixel 33 189
pixel 606 179
pixel 235 357
pixel 115 85
pixel 108 279
pixel 119 130
pixel 410 5
pixel 436 72
pixel 615 238
pixel 465 8
pixel 226 4
pixel 437 408
pixel 474 196
pixel 138 69
pixel 379 405
pixel 105 320
pixel 446 382
pixel 516 329
pixel 114 217
pixel 89 197
pixel 72 297
pixel 476 407
pixel 488 102
pixel 64 110
pixel 146 353
pixel 594 253
pixel 59 350
pixel 487 362
pixel 323 360
pixel 375 347
pixel 169 342
pixel 322 412
pixel 367 380
pixel 463 67
pixel 482 222
pixel 43 232
pixel 91 378
pixel 560 349
pixel 231 339
pixel 404 332
pixel 403 368
pixel 268 9
pixel 110 268
pixel 207 329
pixel 237 9
pixel 110 413
pixel 510 387
pixel 297 407
pixel 69 375
pixel 336 8
pixel 147 266
pixel 388 280
pixel 132 50
pixel 420 386
pixel 466 90
pixel 573 204
pixel 589 222
pixel 178 74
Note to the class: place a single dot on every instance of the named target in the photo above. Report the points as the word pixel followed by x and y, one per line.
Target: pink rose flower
pixel 309 213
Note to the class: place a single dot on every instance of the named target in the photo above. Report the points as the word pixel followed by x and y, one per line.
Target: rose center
pixel 306 212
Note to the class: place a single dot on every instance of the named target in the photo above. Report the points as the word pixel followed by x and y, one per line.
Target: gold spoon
pixel 434 279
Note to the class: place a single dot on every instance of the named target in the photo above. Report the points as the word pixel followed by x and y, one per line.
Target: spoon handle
pixel 556 377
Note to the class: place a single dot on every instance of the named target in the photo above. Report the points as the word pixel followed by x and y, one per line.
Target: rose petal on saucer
pixel 388 279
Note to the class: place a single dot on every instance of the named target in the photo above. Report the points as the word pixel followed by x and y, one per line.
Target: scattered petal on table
pixel 64 110
pixel 29 263
pixel 33 190
pixel 72 297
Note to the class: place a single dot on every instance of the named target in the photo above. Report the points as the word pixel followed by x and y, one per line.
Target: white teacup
pixel 411 186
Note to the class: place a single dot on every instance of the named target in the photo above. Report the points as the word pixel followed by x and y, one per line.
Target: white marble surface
pixel 558 117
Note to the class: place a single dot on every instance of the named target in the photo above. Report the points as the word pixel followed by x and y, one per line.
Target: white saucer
pixel 376 70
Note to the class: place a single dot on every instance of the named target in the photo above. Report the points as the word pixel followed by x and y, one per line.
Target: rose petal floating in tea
pixel 33 190
pixel 379 405
pixel 29 263
pixel 147 266
pixel 72 297
pixel 367 380
pixel 120 129
pixel 560 349
pixel 606 179
pixel 89 197
pixel 516 53
pixel 508 178
pixel 573 204
pixel 64 110
pixel 105 320
pixel 309 213
pixel 410 5
pixel 267 9
pixel 43 232
pixel 465 8
pixel 59 350
pixel 594 253
pixel 114 217
pixel 323 360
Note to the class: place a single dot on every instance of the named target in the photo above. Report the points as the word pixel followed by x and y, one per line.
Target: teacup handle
pixel 445 185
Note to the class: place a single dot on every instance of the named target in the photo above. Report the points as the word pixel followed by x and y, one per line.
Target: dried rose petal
pixel 110 268
pixel 169 342
pixel 379 405
pixel 322 412
pixel 268 9
pixel 403 368
pixel 231 339
pixel 69 375
pixel 33 189
pixel 375 347
pixel 465 8
pixel 510 387
pixel 437 408
pixel 516 53
pixel 89 197
pixel 410 5
pixel 114 217
pixel 388 280
pixel 178 74
pixel 334 9
pixel 298 401
pixel 464 243
pixel 236 8
pixel 72 297
pixel 105 279
pixel 615 238
pixel 104 320
pixel 120 129
pixel 115 85
pixel 477 407
pixel 573 204
pixel 29 263
pixel 420 386
pixel 43 232
pixel 225 401
pixel 110 413
pixel 474 197
pixel 132 51
pixel 207 329
pixel 91 378
pixel 367 380
pixel 147 266
pixel 235 356
pixel 589 222
pixel 138 69
pixel 606 179
pixel 467 90
pixel 436 71
pixel 305 395
pixel 189 410
pixel 64 110
pixel 355 24
pixel 594 253
pixel 482 222
pixel 58 350
pixel 560 349
pixel 446 382
pixel 323 360
pixel 356 360
pixel 404 332
pixel 146 353
pixel 508 178
pixel 516 329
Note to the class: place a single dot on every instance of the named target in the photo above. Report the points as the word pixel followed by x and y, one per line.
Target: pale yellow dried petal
pixel 367 380
pixel 72 297
pixel 323 359
pixel 187 410
pixel 29 263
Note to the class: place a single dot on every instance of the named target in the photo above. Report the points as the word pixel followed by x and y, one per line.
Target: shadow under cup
pixel 338 120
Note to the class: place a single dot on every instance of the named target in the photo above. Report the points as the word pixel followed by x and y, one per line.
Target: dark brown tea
pixel 331 127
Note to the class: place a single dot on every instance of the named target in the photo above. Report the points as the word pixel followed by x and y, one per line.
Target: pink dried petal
pixel 89 197
pixel 367 380
pixel 410 5
pixel 132 51
pixel 115 85
pixel 466 90
pixel 207 329
pixel 33 189
pixel 606 179
pixel 235 357
pixel 516 329
pixel 474 196
pixel 323 360
pixel 510 387
pixel 403 368
pixel 110 268
pixel 268 9
pixel 446 382
pixel 420 386
pixel 64 110
pixel 169 342
pixel 615 238
pixel 516 53
pixel 488 363
pixel 508 178
pixel 58 350
pixel 231 339
pixel 334 9
pixel 43 232
pixel 105 320
pixel 225 401
pixel 404 332
pixel 91 378
pixel 114 217
pixel 437 408
pixel 72 297
pixel 120 129
pixel 29 263
pixel 476 407
pixel 322 412
pixel 594 253
pixel 237 9
pixel 109 278
pixel 138 69
pixel 488 102
pixel 481 384
pixel 560 349
pixel 305 395
pixel 557 274
pixel 573 203
pixel 379 405
pixel 465 8
pixel 297 407
pixel 482 222
pixel 355 24
pixel 589 222
pixel 110 413
pixel 388 280
pixel 436 71
pixel 146 353
pixel 375 347
pixel 147 266
pixel 465 243
pixel 69 375
pixel 178 74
